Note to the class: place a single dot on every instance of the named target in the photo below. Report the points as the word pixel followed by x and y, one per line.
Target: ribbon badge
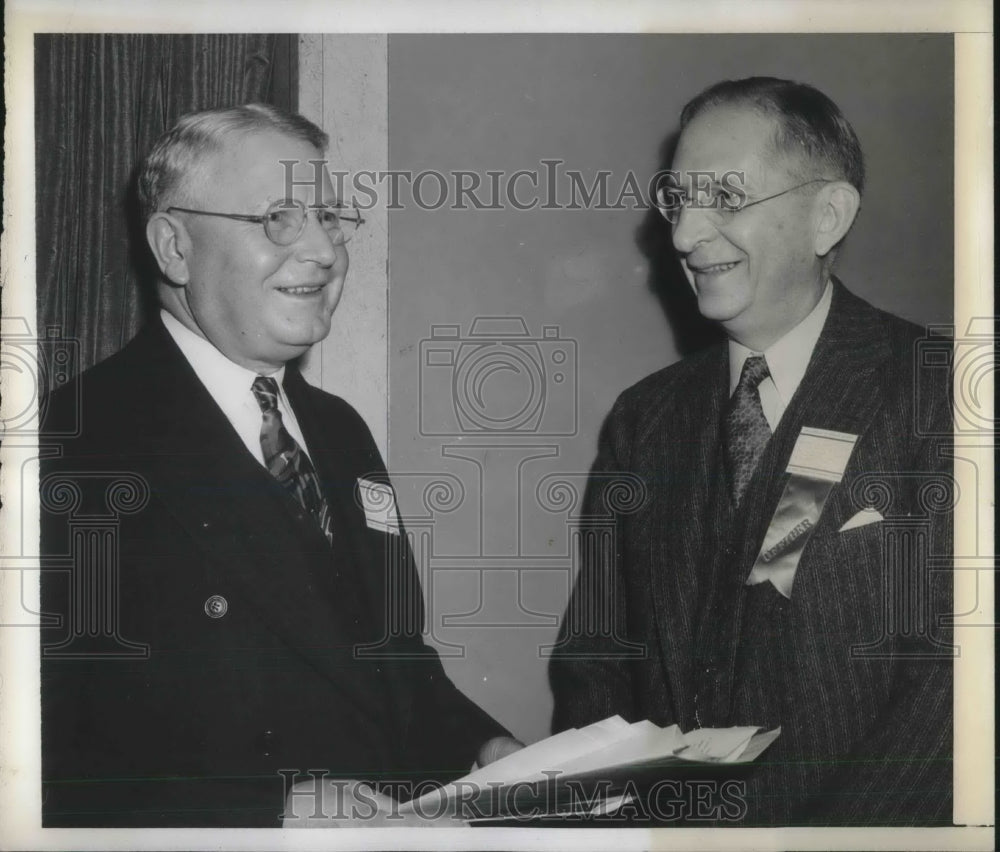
pixel 817 463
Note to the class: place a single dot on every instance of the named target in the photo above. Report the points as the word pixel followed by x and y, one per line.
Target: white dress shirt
pixel 786 358
pixel 230 386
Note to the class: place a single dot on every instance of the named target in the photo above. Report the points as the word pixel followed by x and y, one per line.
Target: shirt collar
pixel 227 382
pixel 788 357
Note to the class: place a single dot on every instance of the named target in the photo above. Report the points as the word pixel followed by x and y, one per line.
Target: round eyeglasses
pixel 284 221
pixel 721 202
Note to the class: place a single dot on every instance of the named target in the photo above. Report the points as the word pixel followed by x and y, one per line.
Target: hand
pixel 496 748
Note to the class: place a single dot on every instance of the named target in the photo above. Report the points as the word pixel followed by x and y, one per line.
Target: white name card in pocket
pixel 821 454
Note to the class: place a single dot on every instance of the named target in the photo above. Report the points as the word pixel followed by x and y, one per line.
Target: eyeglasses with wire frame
pixel 285 220
pixel 722 202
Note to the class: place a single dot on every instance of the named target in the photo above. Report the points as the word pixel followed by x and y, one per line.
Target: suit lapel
pixel 374 568
pixel 839 391
pixel 279 564
pixel 327 446
pixel 330 448
pixel 681 456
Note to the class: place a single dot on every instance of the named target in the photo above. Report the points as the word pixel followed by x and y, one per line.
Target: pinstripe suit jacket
pixel 861 677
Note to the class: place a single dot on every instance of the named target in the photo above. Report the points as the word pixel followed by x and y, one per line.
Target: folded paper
pixel 612 749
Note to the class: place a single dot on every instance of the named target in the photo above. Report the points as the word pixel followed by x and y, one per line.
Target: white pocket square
pixel 863 518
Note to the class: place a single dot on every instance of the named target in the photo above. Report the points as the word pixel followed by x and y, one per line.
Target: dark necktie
pixel 746 428
pixel 285 459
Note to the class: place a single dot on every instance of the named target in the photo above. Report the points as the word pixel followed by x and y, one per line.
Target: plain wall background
pixel 343 88
pixel 597 102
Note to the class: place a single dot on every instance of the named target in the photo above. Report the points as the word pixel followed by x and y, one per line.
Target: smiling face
pixel 758 273
pixel 258 303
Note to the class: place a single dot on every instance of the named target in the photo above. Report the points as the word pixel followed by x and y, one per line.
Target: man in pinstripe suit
pixel 844 646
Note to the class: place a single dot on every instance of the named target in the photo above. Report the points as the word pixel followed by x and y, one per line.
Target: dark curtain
pixel 100 103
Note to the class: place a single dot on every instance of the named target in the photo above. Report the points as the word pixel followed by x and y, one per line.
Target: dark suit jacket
pixel 856 667
pixel 208 637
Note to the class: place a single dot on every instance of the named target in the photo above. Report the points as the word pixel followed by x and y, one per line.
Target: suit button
pixel 267 742
pixel 216 606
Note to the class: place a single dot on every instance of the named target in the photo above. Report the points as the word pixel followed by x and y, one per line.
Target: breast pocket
pixel 843 584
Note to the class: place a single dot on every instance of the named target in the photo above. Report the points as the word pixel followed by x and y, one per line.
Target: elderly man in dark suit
pixel 776 569
pixel 254 611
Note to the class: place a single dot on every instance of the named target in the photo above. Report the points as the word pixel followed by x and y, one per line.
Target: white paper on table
pixel 611 805
pixel 602 808
pixel 716 744
pixel 611 743
pixel 610 728
pixel 757 744
pixel 646 741
pixel 531 762
pixel 549 754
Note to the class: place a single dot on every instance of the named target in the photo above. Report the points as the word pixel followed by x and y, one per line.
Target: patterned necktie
pixel 746 428
pixel 285 459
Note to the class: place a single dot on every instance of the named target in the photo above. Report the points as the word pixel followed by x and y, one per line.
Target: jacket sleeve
pixel 442 728
pixel 591 672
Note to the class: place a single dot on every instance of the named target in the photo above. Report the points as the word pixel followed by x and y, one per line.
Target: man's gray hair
pixel 809 126
pixel 172 167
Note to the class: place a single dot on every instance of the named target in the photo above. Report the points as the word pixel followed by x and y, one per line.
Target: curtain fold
pixel 100 103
